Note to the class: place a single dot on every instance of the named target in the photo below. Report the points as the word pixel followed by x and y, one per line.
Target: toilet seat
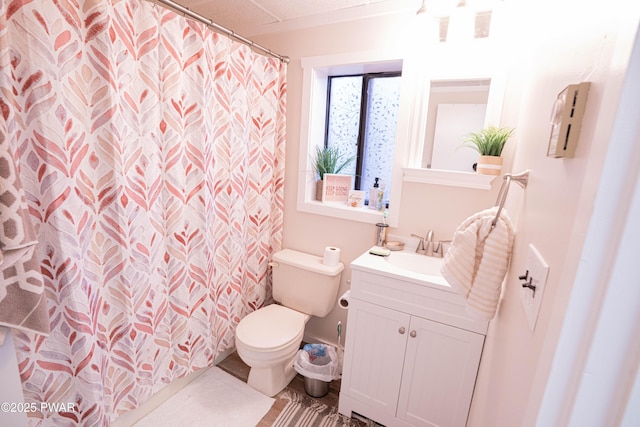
pixel 270 328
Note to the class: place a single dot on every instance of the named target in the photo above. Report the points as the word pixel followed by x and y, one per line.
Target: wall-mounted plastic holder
pixel 566 120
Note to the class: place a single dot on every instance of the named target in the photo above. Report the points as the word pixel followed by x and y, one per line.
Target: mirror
pixel 456 107
pixel 459 88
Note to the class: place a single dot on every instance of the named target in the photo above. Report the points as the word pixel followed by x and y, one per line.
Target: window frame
pixel 316 71
pixel 364 103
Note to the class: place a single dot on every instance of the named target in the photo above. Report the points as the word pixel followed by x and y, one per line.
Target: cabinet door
pixel 374 355
pixel 439 375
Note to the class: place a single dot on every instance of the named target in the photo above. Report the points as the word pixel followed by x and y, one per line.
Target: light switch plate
pixel 538 271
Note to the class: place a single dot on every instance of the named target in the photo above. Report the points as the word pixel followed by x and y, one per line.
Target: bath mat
pixel 215 398
pixel 303 411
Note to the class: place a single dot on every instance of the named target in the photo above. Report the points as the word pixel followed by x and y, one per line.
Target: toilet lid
pixel 270 327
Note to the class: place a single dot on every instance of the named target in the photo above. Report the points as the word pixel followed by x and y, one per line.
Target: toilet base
pixel 272 380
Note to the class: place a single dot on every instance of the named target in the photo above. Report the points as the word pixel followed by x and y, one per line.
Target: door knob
pixel 412 334
pixel 402 330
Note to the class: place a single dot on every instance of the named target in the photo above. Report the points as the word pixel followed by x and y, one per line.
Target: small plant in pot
pixel 328 160
pixel 489 143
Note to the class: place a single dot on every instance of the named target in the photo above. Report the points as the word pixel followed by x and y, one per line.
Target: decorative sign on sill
pixel 356 199
pixel 336 187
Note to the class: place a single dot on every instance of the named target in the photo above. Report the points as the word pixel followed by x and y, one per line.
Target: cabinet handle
pixel 401 330
pixel 412 334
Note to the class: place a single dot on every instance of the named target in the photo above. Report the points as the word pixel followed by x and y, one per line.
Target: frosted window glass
pixel 380 134
pixel 381 116
pixel 344 117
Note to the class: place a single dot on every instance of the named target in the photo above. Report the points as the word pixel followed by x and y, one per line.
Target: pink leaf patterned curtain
pixel 151 154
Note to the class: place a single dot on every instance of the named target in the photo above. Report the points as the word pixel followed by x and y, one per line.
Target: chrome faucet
pixel 428 241
pixel 427 246
pixel 440 249
pixel 420 247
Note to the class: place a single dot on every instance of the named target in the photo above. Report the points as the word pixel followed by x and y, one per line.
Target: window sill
pixel 450 178
pixel 341 210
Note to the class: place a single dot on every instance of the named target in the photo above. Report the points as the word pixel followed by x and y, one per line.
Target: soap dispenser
pixel 373 195
pixel 380 204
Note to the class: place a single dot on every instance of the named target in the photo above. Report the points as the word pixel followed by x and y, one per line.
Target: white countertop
pixel 429 274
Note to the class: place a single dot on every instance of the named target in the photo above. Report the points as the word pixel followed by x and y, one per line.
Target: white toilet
pixel 268 339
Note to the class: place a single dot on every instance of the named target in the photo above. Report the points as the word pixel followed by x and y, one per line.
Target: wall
pixel 553 48
pixel 310 232
pixel 591 381
pixel 556 207
pixel 433 207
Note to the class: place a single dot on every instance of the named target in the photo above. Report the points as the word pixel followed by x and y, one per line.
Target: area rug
pixel 302 411
pixel 215 398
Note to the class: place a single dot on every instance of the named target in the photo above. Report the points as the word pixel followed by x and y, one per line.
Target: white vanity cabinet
pixel 412 353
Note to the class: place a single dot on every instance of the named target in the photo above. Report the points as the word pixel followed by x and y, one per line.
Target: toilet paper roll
pixel 331 256
pixel 343 301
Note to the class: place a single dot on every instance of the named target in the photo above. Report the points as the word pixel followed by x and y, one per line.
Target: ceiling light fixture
pixel 423 8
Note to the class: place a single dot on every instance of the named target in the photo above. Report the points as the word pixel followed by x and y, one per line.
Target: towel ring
pixel 521 178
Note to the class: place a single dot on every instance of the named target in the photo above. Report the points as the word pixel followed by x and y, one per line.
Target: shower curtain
pixel 151 155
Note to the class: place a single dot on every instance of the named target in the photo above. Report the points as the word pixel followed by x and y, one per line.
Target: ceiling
pixel 252 17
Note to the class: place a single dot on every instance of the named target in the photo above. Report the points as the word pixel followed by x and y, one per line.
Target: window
pixel 382 70
pixel 362 117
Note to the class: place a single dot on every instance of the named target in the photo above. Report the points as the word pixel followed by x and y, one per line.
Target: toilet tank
pixel 303 283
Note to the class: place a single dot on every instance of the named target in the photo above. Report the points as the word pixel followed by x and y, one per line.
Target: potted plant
pixel 328 160
pixel 489 143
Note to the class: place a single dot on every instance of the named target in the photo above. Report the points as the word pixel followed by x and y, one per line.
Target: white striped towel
pixel 478 259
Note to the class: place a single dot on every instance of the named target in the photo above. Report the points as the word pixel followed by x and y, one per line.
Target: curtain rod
pixel 208 22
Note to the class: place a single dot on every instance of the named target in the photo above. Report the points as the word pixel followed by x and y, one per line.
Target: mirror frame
pixel 445 62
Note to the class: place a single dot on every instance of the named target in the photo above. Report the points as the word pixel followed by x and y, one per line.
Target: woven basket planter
pixel 489 165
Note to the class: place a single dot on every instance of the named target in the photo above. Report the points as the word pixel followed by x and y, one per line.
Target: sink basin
pixel 407 266
pixel 415 263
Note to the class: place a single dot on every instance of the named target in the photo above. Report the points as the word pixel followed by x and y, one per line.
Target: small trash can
pixel 316 388
pixel 319 365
